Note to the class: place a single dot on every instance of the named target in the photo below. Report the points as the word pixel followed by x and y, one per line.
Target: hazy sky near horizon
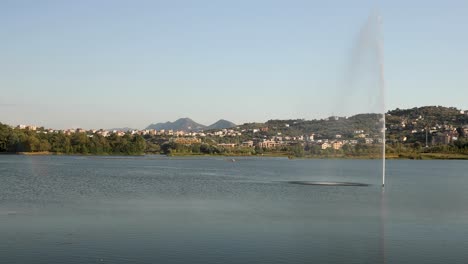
pixel 103 64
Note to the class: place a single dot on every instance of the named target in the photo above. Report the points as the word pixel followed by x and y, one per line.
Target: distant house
pixel 326 145
pixel 179 133
pixel 103 133
pixel 441 138
pixel 311 137
pixel 444 138
pixel 248 144
pixel 337 145
pixel 267 144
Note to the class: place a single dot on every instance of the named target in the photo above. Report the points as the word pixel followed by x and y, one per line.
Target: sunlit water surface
pixel 70 209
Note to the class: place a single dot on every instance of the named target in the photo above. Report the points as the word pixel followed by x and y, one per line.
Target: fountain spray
pixel 380 56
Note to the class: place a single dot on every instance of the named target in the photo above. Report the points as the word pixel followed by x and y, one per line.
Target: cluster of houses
pixel 188 138
pixel 270 144
pixel 151 132
pixel 337 143
pixel 440 134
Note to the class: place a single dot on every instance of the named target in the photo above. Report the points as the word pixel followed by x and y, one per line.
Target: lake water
pixel 69 209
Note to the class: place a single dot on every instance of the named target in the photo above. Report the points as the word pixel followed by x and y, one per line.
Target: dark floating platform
pixel 323 183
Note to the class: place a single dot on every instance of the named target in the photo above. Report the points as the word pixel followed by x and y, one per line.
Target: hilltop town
pixel 410 133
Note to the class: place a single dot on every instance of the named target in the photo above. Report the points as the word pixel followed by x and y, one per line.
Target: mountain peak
pixel 187 124
pixel 221 124
pixel 181 124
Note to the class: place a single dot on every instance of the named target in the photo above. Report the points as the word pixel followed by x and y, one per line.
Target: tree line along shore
pixel 431 132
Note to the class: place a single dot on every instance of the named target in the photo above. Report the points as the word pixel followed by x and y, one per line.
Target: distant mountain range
pixel 221 124
pixel 187 124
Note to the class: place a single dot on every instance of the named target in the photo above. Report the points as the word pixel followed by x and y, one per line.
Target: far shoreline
pixel 410 156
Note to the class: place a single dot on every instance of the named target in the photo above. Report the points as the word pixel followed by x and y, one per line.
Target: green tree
pixel 4 136
pixel 297 150
pixel 139 144
pixel 44 145
pixel 32 143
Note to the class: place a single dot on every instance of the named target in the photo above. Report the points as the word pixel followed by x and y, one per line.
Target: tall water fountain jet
pixel 361 94
pixel 380 57
pixel 367 69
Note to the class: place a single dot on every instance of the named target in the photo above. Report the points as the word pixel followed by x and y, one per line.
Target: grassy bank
pixel 413 156
pixel 39 153
pixel 429 156
pixel 405 156
pixel 444 156
pixel 48 153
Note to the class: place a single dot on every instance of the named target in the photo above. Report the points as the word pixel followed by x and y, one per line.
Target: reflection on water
pixel 328 183
pixel 206 210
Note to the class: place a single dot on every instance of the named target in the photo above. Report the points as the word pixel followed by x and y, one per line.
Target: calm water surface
pixel 66 209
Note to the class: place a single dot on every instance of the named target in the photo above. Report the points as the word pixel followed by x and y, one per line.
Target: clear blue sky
pixel 96 64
